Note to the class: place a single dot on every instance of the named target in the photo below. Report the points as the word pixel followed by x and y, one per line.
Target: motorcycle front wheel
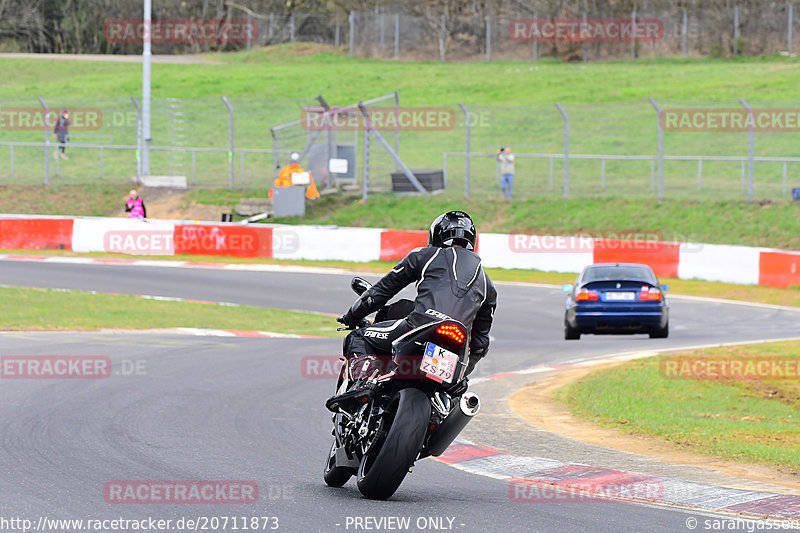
pixel 383 467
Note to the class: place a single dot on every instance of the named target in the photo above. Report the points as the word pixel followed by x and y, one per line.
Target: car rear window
pixel 622 272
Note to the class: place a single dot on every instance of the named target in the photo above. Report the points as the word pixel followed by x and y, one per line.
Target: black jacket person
pixel 450 283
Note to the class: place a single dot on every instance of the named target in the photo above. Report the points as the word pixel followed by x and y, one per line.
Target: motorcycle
pixel 413 407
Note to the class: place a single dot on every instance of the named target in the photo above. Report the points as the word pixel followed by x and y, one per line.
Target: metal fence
pixel 578 150
pixel 694 29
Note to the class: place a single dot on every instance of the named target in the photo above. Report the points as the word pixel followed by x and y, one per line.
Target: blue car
pixel 616 298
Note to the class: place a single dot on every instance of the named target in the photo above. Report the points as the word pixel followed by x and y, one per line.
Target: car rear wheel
pixel 570 333
pixel 662 333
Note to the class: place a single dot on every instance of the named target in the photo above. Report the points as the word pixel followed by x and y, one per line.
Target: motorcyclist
pixel 450 283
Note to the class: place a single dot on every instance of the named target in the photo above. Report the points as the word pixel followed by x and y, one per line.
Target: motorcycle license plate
pixel 439 364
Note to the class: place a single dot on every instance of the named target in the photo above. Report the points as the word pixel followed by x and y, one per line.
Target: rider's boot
pixel 361 368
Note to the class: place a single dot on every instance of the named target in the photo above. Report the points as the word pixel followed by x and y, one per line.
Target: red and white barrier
pixel 710 262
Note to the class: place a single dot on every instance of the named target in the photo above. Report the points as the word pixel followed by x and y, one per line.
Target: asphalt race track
pixel 216 408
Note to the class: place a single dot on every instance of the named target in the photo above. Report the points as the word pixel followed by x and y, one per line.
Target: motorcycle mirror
pixel 359 285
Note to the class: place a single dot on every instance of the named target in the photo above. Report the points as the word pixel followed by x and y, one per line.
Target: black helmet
pixel 454 227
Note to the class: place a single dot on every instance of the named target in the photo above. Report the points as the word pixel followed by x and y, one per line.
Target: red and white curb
pixel 166 263
pixel 205 332
pixel 539 480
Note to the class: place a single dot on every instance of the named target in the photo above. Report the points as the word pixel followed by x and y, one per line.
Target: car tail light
pixel 585 295
pixel 650 294
pixel 452 331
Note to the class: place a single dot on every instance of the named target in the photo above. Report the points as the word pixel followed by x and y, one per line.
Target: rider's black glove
pixel 352 322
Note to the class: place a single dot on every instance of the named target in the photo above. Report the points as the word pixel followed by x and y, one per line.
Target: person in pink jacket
pixel 135 206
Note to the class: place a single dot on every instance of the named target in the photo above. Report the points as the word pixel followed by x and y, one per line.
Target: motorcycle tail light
pixel 452 331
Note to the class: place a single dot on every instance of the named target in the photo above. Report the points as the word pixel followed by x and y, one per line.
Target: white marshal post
pixel 146 38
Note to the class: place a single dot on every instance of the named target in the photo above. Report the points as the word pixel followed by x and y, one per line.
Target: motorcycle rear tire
pixel 382 470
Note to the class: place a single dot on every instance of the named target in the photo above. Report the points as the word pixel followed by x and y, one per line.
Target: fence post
pixel 467 148
pixel 789 33
pixel 536 41
pixel 583 45
pixel 685 33
pixel 633 34
pixel 750 149
pixel 784 177
pixel 146 88
pixel 488 38
pixel 566 149
pixel 249 29
pixel 603 174
pixel 46 141
pixel 735 30
pixel 230 141
pixel 365 164
pixel 442 38
pixel 336 35
pixel 699 174
pixel 352 20
pixel 271 28
pixel 291 27
pixel 138 137
pixel 660 150
pixel 397 35
pixel 396 126
pixel 382 29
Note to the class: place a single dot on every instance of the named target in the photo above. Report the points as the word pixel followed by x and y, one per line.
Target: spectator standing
pixel 61 129
pixel 506 159
pixel 134 205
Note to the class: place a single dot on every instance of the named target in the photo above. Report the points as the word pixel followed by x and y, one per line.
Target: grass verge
pixel 755 421
pixel 709 289
pixel 44 309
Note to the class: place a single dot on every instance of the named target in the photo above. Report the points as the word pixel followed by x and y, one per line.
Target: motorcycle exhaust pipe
pixel 455 422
